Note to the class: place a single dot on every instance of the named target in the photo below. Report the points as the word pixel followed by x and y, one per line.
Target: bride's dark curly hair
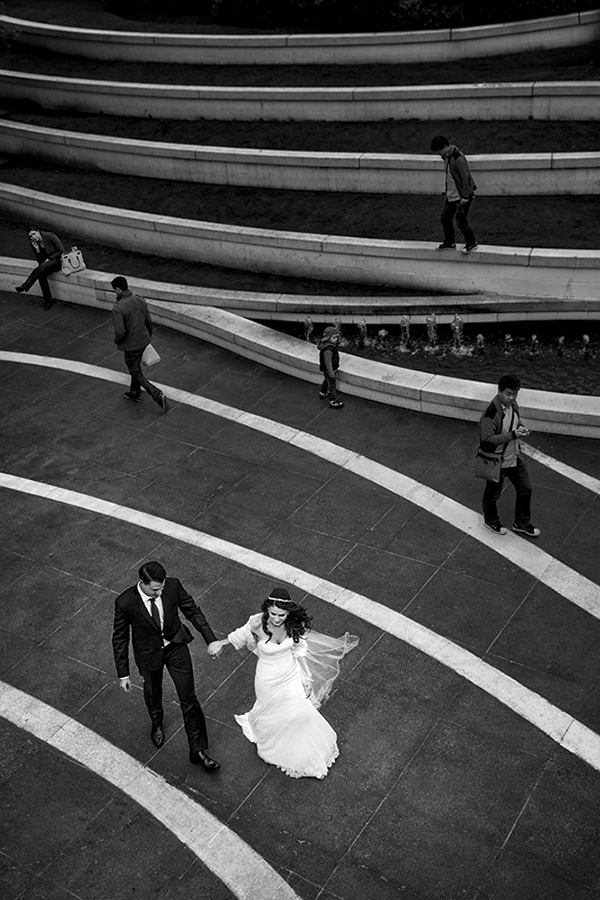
pixel 298 620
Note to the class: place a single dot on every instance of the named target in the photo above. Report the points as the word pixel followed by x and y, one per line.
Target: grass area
pixel 409 136
pixel 116 261
pixel 569 64
pixel 570 222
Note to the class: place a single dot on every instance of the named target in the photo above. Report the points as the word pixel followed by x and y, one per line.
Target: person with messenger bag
pixel 500 429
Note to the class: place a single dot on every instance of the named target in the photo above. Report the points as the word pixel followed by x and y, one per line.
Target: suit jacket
pixel 133 620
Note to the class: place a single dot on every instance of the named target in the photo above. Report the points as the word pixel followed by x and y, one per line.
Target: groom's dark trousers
pixel 132 621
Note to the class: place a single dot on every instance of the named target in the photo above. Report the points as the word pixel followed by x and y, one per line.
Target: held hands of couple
pixel 215 648
pixel 125 683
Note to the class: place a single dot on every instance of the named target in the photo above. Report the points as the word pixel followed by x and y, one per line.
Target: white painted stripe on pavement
pixel 531 558
pixel 561 468
pixel 553 721
pixel 236 864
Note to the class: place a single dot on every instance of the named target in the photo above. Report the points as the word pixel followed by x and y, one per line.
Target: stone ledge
pixel 518 271
pixel 497 174
pixel 385 310
pixel 421 391
pixel 566 101
pixel 324 49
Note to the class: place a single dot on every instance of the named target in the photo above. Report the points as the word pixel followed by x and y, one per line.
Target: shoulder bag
pixel 488 465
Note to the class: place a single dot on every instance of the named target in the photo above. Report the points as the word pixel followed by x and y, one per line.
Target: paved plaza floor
pixel 467 717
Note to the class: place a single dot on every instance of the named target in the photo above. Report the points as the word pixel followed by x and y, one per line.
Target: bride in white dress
pixel 295 672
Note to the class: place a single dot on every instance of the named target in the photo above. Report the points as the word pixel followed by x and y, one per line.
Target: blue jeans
pixel 461 211
pixel 519 476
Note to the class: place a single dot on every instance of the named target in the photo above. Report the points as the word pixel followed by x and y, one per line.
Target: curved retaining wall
pixel 313 49
pixel 421 391
pixel 517 271
pixel 563 100
pixel 474 308
pixel 496 175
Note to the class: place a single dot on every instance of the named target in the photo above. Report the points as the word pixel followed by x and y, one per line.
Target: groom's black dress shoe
pixel 157 735
pixel 200 758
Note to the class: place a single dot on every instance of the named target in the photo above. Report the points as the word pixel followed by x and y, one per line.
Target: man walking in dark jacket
pixel 460 191
pixel 133 331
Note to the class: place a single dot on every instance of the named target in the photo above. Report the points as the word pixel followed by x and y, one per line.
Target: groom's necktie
pixel 154 612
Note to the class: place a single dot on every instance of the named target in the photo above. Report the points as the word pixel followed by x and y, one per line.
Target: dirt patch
pixel 93 14
pixel 410 136
pixel 570 64
pixel 116 261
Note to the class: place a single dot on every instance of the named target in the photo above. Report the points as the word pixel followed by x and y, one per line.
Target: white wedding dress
pixel 285 724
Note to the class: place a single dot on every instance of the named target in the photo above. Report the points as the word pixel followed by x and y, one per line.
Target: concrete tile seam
pixel 233 861
pixel 526 703
pixel 576 588
pixel 561 468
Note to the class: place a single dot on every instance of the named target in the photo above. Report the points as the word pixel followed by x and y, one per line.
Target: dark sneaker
pixel 527 530
pixel 496 527
pixel 469 247
pixel 323 395
pixel 446 246
pixel 137 398
pixel 20 288
pixel 164 403
pixel 336 404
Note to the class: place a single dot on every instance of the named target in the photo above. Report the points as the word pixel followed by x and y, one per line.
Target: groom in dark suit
pixel 149 613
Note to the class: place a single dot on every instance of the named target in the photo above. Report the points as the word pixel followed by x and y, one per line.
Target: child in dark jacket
pixel 329 363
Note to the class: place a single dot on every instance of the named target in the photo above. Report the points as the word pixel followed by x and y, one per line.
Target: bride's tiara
pixel 281 596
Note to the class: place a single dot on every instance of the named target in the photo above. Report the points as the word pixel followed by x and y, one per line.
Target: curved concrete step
pixel 570 275
pixel 312 49
pixel 544 100
pixel 505 174
pixel 421 391
pixel 384 310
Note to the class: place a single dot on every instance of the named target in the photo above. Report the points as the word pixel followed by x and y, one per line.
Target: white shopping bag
pixel 72 262
pixel 150 356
